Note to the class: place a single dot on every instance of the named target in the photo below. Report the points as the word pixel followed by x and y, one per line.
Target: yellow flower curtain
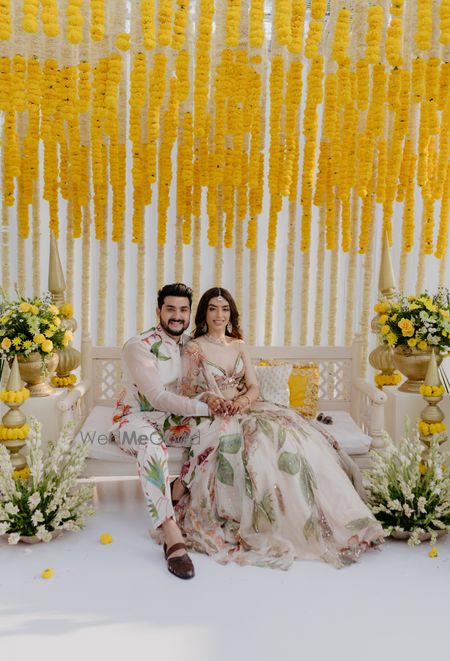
pixel 312 123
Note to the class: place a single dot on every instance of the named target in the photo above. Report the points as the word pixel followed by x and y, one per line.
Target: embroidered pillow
pixel 303 382
pixel 273 383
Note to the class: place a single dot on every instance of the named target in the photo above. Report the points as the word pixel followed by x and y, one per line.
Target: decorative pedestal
pixel 47 411
pixel 401 404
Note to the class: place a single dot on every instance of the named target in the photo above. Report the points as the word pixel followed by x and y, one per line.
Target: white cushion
pixel 350 437
pixel 273 383
pixel 95 431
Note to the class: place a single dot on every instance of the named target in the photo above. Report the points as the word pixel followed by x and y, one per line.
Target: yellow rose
pixel 66 310
pixel 422 345
pixel 444 313
pixel 34 309
pixel 407 327
pixel 39 338
pixel 383 319
pixel 24 307
pixel 56 321
pixel 53 309
pixel 47 346
pixel 6 343
pixel 392 339
pixel 412 342
pixel 385 330
pixel 67 337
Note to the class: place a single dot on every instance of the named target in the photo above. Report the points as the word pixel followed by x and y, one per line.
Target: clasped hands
pixel 227 407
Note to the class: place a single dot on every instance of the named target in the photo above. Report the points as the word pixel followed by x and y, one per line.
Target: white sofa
pixel 355 405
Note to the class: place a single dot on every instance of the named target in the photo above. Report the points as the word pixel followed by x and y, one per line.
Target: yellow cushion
pixel 303 386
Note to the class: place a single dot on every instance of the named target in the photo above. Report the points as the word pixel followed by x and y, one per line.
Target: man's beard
pixel 174 331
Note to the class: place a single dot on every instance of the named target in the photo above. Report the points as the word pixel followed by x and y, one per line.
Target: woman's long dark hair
pixel 202 307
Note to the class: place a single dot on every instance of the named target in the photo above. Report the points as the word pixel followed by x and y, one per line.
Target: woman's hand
pixel 217 405
pixel 238 405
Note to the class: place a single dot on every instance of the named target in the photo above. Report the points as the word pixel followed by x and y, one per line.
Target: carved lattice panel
pixel 107 380
pixel 335 380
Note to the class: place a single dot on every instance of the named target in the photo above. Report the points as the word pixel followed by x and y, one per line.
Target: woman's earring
pixel 229 327
pixel 205 327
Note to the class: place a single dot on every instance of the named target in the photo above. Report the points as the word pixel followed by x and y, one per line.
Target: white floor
pixel 120 602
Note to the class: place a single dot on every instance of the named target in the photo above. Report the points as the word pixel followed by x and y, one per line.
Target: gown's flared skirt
pixel 266 488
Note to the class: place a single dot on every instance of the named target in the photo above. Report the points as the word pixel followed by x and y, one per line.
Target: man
pixel 150 415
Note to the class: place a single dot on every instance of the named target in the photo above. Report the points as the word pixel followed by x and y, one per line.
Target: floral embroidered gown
pixel 265 487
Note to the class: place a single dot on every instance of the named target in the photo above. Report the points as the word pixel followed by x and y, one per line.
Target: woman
pixel 263 485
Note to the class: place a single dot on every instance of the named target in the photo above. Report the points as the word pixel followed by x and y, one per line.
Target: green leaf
pixel 155 473
pixel 225 473
pixel 266 428
pixel 144 404
pixel 281 437
pixel 155 350
pixel 152 509
pixel 359 524
pixel 305 483
pixel 267 506
pixel 310 529
pixel 289 462
pixel 248 483
pixel 230 443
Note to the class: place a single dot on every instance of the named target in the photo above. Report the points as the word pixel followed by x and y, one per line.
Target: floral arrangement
pixel 416 321
pixel 32 324
pixel 42 498
pixel 409 491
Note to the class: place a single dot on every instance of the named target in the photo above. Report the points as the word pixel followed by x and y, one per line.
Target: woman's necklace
pixel 215 340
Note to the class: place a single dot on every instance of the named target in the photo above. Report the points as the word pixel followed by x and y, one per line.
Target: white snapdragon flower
pixel 34 500
pixel 407 509
pixel 395 505
pixel 421 504
pixel 10 508
pixel 13 538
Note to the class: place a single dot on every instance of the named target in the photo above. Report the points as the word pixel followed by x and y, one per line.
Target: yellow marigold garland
pixel 49 17
pixel 64 381
pixel 5 20
pixel 233 15
pixel 74 21
pixel 97 26
pixel 256 28
pixel 13 433
pixel 424 24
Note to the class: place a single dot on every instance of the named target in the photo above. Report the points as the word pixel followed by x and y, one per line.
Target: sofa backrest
pixel 338 366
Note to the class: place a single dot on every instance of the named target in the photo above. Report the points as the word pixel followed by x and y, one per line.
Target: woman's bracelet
pixel 247 398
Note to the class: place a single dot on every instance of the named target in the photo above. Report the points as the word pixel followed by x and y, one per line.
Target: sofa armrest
pixel 74 406
pixel 74 394
pixel 368 411
pixel 375 394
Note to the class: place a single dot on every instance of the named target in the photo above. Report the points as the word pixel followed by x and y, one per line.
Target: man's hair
pixel 175 289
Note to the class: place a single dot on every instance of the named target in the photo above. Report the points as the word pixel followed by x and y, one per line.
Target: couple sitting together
pixel 261 484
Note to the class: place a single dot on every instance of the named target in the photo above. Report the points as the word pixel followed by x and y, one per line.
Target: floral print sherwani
pixel 150 415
